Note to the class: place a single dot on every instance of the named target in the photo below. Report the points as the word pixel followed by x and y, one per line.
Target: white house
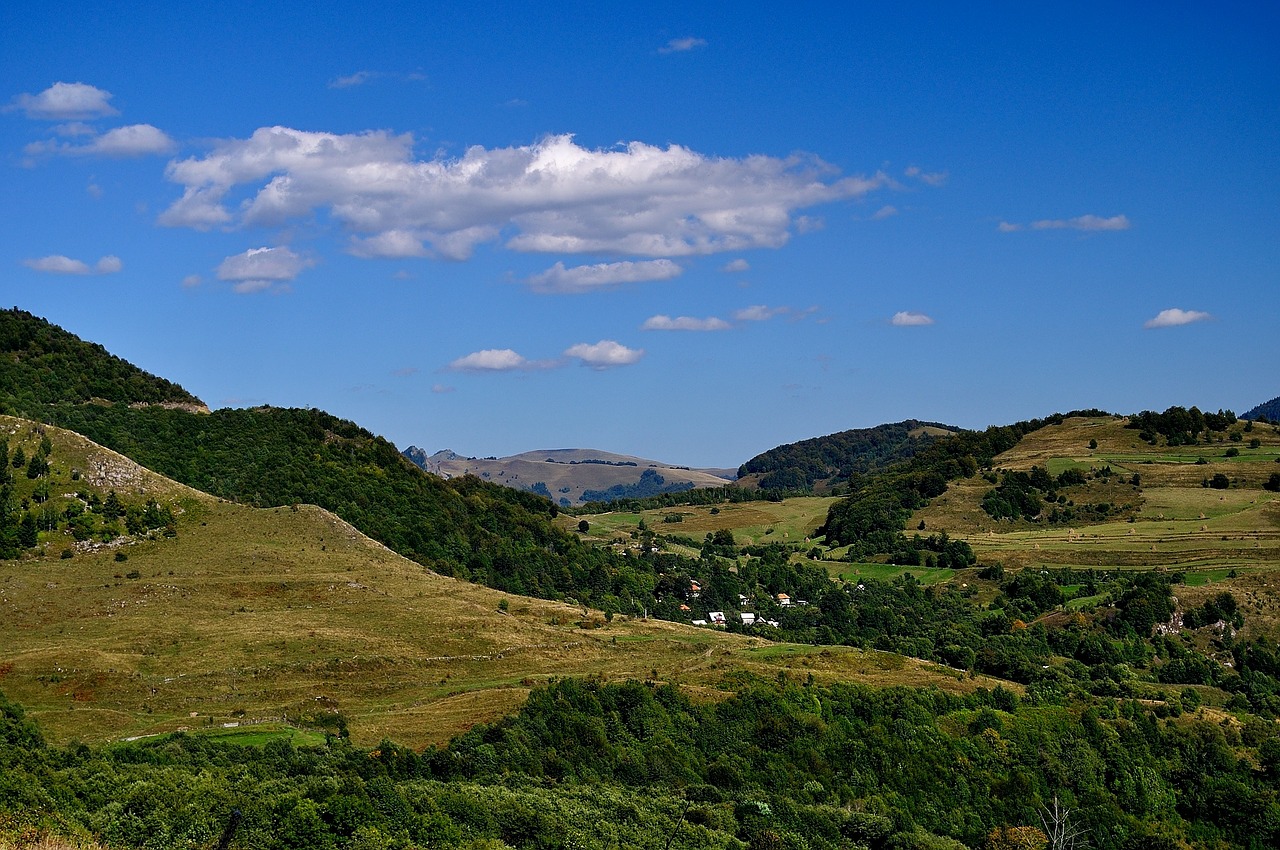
pixel 748 619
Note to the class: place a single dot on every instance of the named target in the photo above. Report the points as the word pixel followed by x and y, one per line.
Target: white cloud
pixel 441 389
pixel 738 265
pixel 908 319
pixel 682 45
pixel 75 128
pixel 604 354
pixel 133 140
pixel 109 264
pixel 491 360
pixel 191 281
pixel 1083 222
pixel 59 264
pixel 684 323
pixel 359 78
pixel 759 313
pixel 1080 222
pixel 578 279
pixel 887 211
pixel 929 178
pixel 551 196
pixel 66 102
pixel 261 268
pixel 1174 317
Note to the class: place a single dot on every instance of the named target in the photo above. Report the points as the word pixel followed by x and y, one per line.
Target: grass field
pixel 788 521
pixel 279 616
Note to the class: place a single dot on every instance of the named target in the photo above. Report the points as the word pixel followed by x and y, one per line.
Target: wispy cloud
pixel 551 196
pixel 133 140
pixel 65 102
pixel 359 78
pixel 191 281
pixel 684 323
pixel 929 178
pixel 682 45
pixel 738 265
pixel 578 279
pixel 261 268
pixel 605 354
pixel 441 389
pixel 59 264
pixel 759 313
pixel 1080 222
pixel 908 319
pixel 405 372
pixel 1174 317
pixel 887 211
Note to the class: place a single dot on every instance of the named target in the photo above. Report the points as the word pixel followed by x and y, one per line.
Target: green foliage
pixel 879 505
pixel 42 364
pixel 1180 426
pixel 798 466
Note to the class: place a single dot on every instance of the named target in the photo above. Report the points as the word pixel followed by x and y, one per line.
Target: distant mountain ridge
pixel 570 477
pixel 1269 409
pixel 824 461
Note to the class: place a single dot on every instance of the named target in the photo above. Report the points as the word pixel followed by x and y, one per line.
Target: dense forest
pixel 799 466
pixel 780 764
pixel 42 364
pixel 1269 410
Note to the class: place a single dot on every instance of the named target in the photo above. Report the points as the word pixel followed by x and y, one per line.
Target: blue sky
pixel 684 231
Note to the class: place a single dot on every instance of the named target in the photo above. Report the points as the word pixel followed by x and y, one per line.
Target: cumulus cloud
pixel 109 264
pixel 261 268
pixel 1174 317
pixel 1080 222
pixel 759 313
pixel 551 196
pixel 738 265
pixel 908 319
pixel 491 360
pixel 604 354
pixel 133 140
pixel 682 45
pixel 65 102
pixel 59 264
pixel 577 279
pixel 684 323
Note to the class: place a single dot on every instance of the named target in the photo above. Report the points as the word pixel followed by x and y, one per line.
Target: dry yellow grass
pixel 257 614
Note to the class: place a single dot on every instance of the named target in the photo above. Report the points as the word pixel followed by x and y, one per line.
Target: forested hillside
pixel 1269 409
pixel 836 457
pixel 779 765
pixel 41 364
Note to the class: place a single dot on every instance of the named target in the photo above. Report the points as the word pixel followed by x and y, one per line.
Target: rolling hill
pixel 269 617
pixel 822 463
pixel 571 477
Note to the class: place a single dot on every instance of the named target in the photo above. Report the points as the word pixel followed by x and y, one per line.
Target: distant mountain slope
pixel 1269 409
pixel 41 364
pixel 821 460
pixel 573 476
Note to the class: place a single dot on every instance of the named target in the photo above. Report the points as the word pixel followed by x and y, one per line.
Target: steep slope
pixel 41 364
pixel 822 462
pixel 271 456
pixel 572 477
